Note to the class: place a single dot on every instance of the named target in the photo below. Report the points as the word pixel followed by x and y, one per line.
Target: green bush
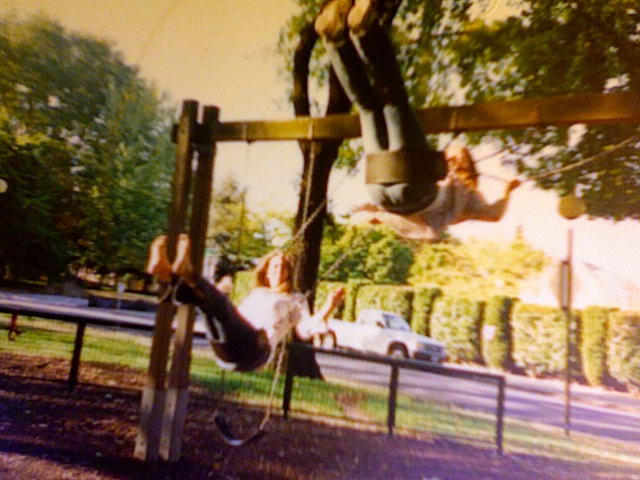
pixel 496 333
pixel 386 297
pixel 624 349
pixel 593 351
pixel 242 285
pixel 423 300
pixel 351 298
pixel 456 322
pixel 539 339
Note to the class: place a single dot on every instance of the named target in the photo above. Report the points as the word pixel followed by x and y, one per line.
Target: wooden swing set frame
pixel 165 394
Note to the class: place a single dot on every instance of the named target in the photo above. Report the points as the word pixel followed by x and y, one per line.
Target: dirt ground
pixel 48 433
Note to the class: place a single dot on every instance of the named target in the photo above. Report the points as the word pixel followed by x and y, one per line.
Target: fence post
pixel 500 414
pixel 77 351
pixel 393 394
pixel 288 380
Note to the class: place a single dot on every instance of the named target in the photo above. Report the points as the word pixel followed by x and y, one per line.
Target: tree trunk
pixel 318 158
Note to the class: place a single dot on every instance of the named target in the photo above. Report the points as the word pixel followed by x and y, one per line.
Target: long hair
pixel 460 162
pixel 260 272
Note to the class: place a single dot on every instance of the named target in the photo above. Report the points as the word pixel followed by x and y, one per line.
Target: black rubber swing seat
pixel 405 166
pixel 230 439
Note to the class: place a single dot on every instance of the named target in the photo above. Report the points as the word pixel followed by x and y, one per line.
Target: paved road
pixel 593 411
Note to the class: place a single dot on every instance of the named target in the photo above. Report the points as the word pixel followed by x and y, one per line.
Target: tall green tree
pixel 54 81
pixel 39 209
pixel 238 233
pixel 478 267
pixel 375 254
pixel 103 137
pixel 125 176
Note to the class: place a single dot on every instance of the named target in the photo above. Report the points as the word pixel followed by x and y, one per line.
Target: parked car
pixel 384 333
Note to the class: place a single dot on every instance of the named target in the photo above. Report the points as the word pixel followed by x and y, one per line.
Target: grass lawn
pixel 325 401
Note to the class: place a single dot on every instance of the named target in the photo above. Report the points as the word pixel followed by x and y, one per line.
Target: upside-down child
pixel 406 179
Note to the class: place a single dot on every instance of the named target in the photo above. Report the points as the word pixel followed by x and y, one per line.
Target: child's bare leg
pixel 182 266
pixel 158 264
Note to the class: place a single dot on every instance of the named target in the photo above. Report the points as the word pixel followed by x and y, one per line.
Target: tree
pixel 238 233
pixel 318 159
pixel 110 131
pixel 37 211
pixel 375 254
pixel 56 82
pixel 124 173
pixel 478 267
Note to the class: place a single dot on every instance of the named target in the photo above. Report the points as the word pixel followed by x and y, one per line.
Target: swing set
pixel 164 401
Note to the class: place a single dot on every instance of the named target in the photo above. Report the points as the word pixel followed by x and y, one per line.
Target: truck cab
pixel 384 333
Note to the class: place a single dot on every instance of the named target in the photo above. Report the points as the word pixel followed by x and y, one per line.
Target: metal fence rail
pixel 83 316
pixel 297 349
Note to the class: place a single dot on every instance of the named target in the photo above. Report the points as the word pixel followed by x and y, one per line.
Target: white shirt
pixel 277 313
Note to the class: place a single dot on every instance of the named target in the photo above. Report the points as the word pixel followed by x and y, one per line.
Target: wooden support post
pixel 154 393
pixel 77 351
pixel 177 396
pixel 177 393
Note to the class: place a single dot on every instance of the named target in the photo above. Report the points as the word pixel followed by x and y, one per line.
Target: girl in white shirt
pixel 243 338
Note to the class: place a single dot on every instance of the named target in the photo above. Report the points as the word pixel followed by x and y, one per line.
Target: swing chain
pixel 274 382
pixel 590 159
pixel 565 168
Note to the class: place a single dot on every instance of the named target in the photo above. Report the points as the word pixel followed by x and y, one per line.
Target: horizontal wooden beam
pixel 299 128
pixel 590 109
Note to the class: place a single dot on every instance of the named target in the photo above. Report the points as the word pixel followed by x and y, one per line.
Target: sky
pixel 222 52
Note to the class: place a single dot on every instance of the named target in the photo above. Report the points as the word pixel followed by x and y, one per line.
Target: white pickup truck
pixel 385 333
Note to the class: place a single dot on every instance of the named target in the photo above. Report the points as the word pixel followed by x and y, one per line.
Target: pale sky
pixel 222 52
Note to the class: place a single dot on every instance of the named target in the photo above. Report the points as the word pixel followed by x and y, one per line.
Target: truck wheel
pixel 398 351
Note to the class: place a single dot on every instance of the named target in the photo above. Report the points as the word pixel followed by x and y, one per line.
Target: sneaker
pixel 361 16
pixel 331 22
pixel 158 264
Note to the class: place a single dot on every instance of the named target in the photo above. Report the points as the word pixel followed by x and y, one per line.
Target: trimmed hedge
pixel 624 349
pixel 423 300
pixel 351 297
pixel 242 285
pixel 593 350
pixel 539 339
pixel 496 333
pixel 390 298
pixel 456 322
